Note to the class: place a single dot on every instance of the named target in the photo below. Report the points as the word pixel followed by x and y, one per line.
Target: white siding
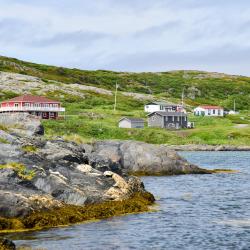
pixel 153 108
pixel 208 112
pixel 124 124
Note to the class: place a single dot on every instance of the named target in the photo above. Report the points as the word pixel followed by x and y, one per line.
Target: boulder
pixel 22 123
pixel 140 158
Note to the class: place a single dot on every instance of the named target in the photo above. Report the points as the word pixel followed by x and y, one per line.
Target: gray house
pixel 170 120
pixel 127 122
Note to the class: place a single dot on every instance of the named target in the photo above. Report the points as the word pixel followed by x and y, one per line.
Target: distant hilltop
pixel 199 87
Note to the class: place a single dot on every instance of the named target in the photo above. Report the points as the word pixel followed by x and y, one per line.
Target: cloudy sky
pixel 129 35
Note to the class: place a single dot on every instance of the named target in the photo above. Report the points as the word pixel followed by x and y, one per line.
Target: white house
pixel 163 106
pixel 209 110
pixel 127 122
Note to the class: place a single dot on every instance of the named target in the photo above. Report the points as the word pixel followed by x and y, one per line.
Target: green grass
pixel 99 124
pixel 92 118
pixel 29 149
pixel 20 169
pixel 207 87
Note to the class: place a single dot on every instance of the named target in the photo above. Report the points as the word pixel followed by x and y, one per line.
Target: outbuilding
pixel 127 122
pixel 169 120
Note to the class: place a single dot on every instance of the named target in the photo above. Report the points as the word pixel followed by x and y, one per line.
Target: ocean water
pixel 193 212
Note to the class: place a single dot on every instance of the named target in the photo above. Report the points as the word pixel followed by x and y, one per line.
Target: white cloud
pixel 129 35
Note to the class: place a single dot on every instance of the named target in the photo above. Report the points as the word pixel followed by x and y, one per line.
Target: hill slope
pixel 89 99
pixel 199 87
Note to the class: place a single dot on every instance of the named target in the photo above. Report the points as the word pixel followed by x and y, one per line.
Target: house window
pixel 52 114
pixel 219 112
pixel 209 112
pixel 214 111
pixel 178 118
pixel 161 107
pixel 27 104
pixel 16 105
pixel 44 114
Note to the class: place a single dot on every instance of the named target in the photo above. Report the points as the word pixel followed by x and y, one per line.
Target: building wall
pixel 153 108
pixel 124 124
pixel 31 104
pixel 175 122
pixel 137 124
pixel 208 112
pixel 155 120
pixel 128 124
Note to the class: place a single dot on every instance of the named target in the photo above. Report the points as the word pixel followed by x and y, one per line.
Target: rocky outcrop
pixel 39 175
pixel 140 158
pixel 22 123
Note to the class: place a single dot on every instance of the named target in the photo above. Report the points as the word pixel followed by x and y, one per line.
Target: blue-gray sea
pixel 193 212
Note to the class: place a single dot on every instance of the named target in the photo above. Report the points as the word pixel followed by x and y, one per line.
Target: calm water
pixel 194 212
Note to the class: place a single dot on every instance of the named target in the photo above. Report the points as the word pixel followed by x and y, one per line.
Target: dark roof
pixel 163 113
pixel 163 103
pixel 31 98
pixel 132 119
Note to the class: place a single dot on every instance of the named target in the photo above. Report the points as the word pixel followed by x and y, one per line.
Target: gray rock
pixel 142 158
pixel 22 123
pixel 59 172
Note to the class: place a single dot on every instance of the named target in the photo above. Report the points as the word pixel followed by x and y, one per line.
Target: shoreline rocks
pixel 46 183
pixel 138 158
pixel 197 147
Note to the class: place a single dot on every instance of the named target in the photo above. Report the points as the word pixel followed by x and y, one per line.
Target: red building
pixel 35 105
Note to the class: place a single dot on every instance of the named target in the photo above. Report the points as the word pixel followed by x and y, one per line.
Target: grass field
pixel 92 117
pixel 84 125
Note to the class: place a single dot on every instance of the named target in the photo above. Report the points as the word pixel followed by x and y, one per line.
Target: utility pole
pixel 116 88
pixel 182 105
pixel 182 98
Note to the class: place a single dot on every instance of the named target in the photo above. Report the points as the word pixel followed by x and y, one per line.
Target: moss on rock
pixel 70 214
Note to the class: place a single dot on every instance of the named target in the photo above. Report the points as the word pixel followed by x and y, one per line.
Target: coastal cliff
pixel 46 183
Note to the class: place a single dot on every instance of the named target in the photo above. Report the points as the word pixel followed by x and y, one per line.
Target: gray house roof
pixel 162 103
pixel 163 113
pixel 132 119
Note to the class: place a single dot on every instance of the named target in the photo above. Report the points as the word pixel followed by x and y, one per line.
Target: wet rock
pixel 7 244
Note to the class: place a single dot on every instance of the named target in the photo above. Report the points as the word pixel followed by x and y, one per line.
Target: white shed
pixel 127 122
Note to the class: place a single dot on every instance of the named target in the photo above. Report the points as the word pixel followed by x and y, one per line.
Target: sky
pixel 129 35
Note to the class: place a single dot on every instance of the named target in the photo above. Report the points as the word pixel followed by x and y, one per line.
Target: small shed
pixel 127 122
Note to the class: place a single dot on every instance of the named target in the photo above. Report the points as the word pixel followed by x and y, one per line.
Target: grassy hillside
pixel 90 114
pixel 199 87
